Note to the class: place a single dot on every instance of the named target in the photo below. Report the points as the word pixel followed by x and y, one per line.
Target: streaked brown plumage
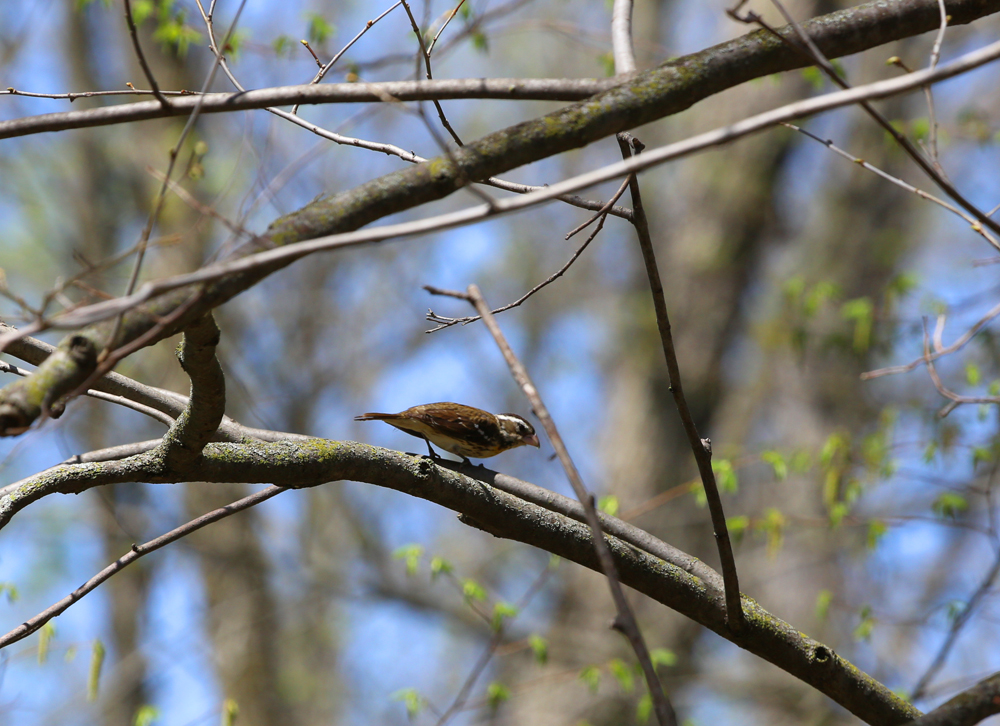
pixel 463 430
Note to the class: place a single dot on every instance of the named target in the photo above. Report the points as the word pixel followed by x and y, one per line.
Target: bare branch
pixel 956 346
pixel 625 620
pixel 33 624
pixel 445 322
pixel 967 708
pixel 147 71
pixel 976 227
pixel 325 68
pixel 812 51
pixel 957 624
pixel 754 55
pixel 477 670
pixel 512 89
pixel 701 448
pixel 408 188
pixel 621 37
pixel 717 137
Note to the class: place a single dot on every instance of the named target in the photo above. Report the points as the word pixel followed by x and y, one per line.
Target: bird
pixel 459 429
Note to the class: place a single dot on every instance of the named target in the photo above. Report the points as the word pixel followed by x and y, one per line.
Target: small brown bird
pixel 462 430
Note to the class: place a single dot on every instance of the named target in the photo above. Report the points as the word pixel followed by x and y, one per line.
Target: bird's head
pixel 517 431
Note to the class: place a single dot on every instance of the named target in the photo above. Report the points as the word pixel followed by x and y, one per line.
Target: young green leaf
pixel 591 677
pixel 823 601
pixel 146 715
pixel 540 648
pixel 950 505
pixel 623 674
pixel 412 699
pixel 472 590
pixel 411 555
pixel 502 611
pixel 609 505
pixel 440 566
pixel 497 693
pixel 876 530
pixel 230 710
pixel 45 636
pixel 94 673
pixel 725 475
pixel 662 657
pixel 777 462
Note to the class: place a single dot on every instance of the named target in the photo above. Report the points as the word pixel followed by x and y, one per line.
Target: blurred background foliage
pixel 861 516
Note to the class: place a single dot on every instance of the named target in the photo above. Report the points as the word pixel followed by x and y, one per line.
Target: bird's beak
pixel 532 440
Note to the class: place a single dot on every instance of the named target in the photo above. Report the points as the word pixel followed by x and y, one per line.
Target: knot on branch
pixel 822 654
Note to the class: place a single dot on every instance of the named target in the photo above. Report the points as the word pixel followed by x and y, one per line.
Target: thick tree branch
pixel 35 352
pixel 197 425
pixel 503 515
pixel 685 80
pixel 648 96
pixel 967 708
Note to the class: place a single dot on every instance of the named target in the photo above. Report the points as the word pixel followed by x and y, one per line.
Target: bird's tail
pixel 376 416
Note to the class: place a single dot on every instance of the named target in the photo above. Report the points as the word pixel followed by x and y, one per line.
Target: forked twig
pixel 939 351
pixel 625 620
pixel 701 448
pixel 812 51
pixel 601 215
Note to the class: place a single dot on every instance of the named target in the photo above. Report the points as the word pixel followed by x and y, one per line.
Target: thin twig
pixel 701 448
pixel 976 227
pixel 602 214
pixel 451 16
pixel 162 194
pixel 464 180
pixel 141 56
pixel 312 53
pixel 717 137
pixel 477 670
pixel 427 70
pixel 956 399
pixel 954 347
pixel 137 551
pixel 163 418
pixel 73 95
pixel 956 627
pixel 203 209
pixel 625 620
pixel 325 68
pixel 810 49
pixel 387 97
pixel 967 708
pixel 928 93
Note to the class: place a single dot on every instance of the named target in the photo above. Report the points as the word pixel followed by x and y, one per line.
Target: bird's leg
pixel 434 454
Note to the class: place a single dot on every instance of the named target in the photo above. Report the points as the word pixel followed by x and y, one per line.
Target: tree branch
pixel 675 85
pixel 625 620
pixel 649 96
pixel 503 515
pixel 33 624
pixel 967 708
pixel 701 448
